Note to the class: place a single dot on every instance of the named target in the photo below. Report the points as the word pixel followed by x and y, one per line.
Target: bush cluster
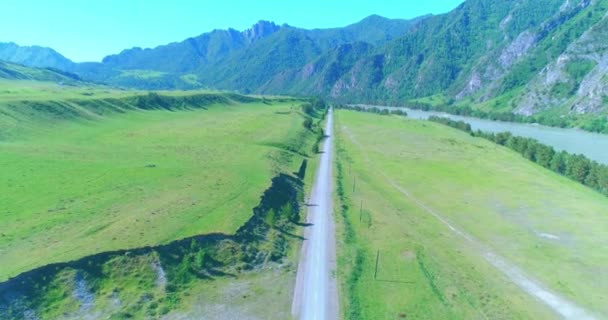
pixel 381 111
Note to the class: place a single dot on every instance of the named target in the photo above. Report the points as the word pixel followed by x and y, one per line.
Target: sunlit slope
pixel 123 178
pixel 437 204
pixel 14 71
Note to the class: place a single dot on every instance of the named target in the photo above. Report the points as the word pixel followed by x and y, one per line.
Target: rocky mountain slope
pixel 523 56
pixel 34 56
pixel 577 78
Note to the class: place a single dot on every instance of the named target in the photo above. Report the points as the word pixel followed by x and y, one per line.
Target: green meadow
pixel 124 179
pixel 30 90
pixel 398 178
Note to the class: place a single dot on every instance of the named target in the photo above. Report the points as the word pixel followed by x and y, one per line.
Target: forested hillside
pixel 530 57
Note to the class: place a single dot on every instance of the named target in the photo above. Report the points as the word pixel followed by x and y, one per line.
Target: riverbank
pixel 575 141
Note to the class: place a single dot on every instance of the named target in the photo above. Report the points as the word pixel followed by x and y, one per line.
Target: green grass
pixel 502 200
pixel 257 295
pixel 262 294
pixel 191 79
pixel 15 71
pixel 19 90
pixel 432 100
pixel 74 188
pixel 142 74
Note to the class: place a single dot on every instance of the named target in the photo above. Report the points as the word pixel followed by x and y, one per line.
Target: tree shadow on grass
pixel 289 234
pixel 220 273
pixel 395 281
pixel 304 224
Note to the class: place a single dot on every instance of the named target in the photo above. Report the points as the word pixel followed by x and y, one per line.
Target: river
pixel 593 145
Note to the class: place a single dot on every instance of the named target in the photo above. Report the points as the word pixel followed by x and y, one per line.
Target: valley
pixel 436 160
pixel 542 58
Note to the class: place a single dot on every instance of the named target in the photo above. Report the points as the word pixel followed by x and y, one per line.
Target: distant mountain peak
pixel 34 56
pixel 374 17
pixel 260 30
pixel 15 46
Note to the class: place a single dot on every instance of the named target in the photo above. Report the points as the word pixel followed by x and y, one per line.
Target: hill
pixel 220 46
pixel 541 57
pixel 34 56
pixel 12 71
pixel 212 59
pixel 527 57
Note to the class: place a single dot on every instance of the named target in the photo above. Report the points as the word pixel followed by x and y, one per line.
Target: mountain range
pixel 522 56
pixel 13 71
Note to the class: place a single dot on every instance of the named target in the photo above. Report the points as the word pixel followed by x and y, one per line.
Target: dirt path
pixel 560 305
pixel 315 295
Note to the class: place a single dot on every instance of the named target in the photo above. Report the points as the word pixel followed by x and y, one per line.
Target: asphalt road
pixel 315 295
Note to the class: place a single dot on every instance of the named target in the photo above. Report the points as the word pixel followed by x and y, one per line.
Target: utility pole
pixel 361 211
pixel 377 258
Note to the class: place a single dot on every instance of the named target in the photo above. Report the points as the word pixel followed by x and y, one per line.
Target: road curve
pixel 315 295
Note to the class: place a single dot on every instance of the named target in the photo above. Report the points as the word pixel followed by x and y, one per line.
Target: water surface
pixel 593 145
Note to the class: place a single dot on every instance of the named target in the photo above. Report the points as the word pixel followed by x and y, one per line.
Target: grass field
pixel 258 295
pixel 400 170
pixel 74 188
pixel 17 90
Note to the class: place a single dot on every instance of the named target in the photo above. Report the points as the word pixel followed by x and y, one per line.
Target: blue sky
pixel 88 30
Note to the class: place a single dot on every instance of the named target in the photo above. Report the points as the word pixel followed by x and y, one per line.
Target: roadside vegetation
pixel 400 183
pixel 375 110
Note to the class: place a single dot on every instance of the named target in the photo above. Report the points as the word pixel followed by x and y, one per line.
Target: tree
pixel 530 151
pixel 592 179
pixel 307 123
pixel 319 104
pixel 578 168
pixel 308 109
pixel 289 212
pixel 399 112
pixel 558 162
pixel 602 180
pixel 518 144
pixel 271 217
pixel 544 155
pixel 199 260
pixel 503 137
